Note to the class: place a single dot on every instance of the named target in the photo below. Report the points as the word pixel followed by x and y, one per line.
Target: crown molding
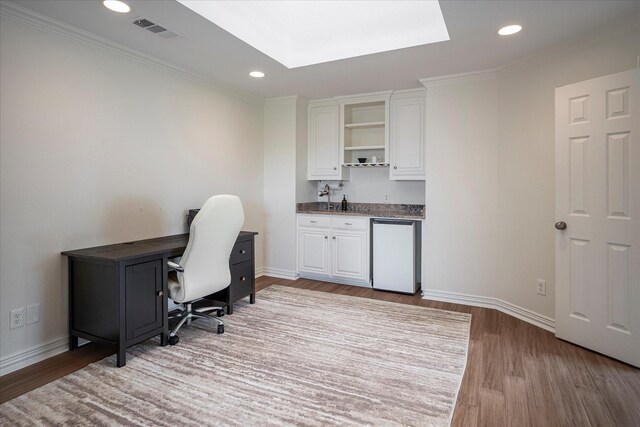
pixel 13 12
pixel 473 76
pixel 282 100
pixel 611 31
pixel 616 30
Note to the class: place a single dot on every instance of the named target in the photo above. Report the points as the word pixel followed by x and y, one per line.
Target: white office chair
pixel 204 266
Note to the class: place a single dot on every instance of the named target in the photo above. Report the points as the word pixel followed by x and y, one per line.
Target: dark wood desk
pixel 118 293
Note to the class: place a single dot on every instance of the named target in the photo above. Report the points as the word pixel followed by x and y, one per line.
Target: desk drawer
pixel 242 283
pixel 241 252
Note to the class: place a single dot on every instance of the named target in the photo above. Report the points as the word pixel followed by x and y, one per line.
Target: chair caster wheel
pixel 220 313
pixel 221 329
pixel 173 340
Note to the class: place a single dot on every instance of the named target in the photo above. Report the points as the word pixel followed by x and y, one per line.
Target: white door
pixel 324 142
pixel 598 201
pixel 350 255
pixel 313 246
pixel 407 160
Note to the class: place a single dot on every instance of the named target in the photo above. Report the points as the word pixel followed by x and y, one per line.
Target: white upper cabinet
pixel 364 129
pixel 407 135
pixel 324 141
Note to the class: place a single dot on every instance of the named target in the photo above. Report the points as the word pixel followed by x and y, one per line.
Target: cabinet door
pixel 324 150
pixel 350 255
pixel 313 247
pixel 407 139
pixel 143 308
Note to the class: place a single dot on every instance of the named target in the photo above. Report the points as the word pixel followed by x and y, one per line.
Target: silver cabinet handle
pixel 242 252
pixel 313 222
pixel 243 279
pixel 334 237
pixel 326 237
pixel 347 223
pixel 335 168
pixel 395 167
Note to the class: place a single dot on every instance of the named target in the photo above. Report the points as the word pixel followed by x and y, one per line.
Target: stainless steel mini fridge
pixel 395 255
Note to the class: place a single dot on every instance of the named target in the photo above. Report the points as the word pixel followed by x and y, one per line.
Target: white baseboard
pixel 516 311
pixel 277 273
pixel 23 358
pixel 337 280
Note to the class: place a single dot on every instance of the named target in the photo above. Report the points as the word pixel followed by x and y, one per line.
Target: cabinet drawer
pixel 314 221
pixel 242 283
pixel 241 252
pixel 349 223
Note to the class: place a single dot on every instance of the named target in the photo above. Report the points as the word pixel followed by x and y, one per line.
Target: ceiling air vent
pixel 155 28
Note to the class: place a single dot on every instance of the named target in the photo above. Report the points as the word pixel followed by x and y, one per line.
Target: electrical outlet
pixel 17 318
pixel 542 287
pixel 33 314
pixel 386 197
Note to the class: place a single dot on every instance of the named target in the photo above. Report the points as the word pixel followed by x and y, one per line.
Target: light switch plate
pixel 33 313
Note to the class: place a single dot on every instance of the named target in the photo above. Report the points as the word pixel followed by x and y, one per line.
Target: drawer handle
pixel 313 222
pixel 242 251
pixel 159 293
pixel 334 237
pixel 347 223
pixel 243 279
pixel 326 237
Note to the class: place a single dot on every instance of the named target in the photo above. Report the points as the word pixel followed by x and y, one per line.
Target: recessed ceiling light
pixel 509 29
pixel 116 6
pixel 299 33
pixel 256 74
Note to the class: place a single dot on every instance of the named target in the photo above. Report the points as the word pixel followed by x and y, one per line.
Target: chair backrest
pixel 212 235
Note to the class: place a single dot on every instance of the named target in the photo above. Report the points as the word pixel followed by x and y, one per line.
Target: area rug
pixel 295 358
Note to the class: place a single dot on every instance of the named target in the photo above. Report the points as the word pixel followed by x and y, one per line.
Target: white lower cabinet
pixel 313 247
pixel 335 251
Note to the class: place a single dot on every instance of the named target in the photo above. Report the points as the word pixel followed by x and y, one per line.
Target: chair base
pixel 188 314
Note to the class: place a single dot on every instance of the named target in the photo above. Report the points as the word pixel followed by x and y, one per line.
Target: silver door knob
pixel 561 225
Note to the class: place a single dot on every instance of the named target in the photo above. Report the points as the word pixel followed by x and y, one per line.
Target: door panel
pixel 598 196
pixel 313 251
pixel 143 305
pixel 324 142
pixel 350 255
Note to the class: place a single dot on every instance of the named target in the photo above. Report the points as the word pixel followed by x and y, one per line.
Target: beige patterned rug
pixel 296 357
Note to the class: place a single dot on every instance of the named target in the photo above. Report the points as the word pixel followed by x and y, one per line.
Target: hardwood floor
pixel 516 375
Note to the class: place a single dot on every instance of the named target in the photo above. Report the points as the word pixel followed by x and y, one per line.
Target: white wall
pixel 97 148
pixel 490 172
pixel 459 250
pixel 280 178
pixel 372 185
pixel 526 160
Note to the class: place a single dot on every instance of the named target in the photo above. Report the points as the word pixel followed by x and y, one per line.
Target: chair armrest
pixel 176 267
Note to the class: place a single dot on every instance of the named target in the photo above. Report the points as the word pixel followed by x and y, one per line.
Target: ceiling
pixel 209 51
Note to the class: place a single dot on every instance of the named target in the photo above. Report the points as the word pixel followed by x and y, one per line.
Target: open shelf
pixel 365 165
pixel 365 125
pixel 365 147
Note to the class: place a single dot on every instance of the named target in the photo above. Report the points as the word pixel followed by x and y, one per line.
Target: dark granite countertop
pixel 380 210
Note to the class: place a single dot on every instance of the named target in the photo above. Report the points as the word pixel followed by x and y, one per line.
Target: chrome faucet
pixel 326 192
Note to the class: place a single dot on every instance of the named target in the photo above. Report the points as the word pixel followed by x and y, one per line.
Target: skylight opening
pixel 307 32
